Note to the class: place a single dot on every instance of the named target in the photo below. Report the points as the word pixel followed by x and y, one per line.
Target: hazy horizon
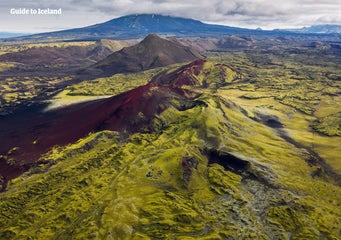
pixel 242 13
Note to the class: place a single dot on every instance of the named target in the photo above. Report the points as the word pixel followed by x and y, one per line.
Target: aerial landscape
pixel 158 124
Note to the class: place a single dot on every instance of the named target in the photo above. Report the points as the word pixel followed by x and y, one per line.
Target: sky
pixel 266 14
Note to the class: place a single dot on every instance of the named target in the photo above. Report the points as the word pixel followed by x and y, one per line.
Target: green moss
pixel 223 181
pixel 113 85
pixel 136 188
pixel 284 217
pixel 164 185
pixel 256 95
pixel 329 125
pixel 297 104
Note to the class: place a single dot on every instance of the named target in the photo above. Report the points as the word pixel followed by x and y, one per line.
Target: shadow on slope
pixel 26 135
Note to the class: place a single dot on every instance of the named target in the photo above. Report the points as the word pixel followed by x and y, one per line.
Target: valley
pixel 159 137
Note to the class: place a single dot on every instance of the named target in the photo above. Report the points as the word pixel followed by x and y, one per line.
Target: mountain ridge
pixel 316 29
pixel 138 26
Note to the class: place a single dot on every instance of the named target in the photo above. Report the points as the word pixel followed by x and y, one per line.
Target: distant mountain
pixel 151 52
pixel 10 34
pixel 319 29
pixel 138 26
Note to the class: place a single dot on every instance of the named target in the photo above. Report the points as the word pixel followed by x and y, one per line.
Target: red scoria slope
pixel 26 135
pixel 185 75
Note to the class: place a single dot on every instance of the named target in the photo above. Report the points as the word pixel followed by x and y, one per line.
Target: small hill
pixel 116 45
pixel 151 52
pixel 235 42
pixel 11 34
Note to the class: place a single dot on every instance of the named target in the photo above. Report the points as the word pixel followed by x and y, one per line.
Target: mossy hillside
pixel 102 87
pixel 293 79
pixel 302 92
pixel 200 74
pixel 114 84
pixel 296 124
pixel 329 125
pixel 215 75
pixel 110 186
pixel 179 182
pixel 330 105
pixel 10 48
pixel 276 78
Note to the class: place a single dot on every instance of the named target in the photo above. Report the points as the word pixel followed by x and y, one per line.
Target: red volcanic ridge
pixel 185 75
pixel 27 135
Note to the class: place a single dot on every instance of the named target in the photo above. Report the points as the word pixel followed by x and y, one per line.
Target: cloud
pixel 243 13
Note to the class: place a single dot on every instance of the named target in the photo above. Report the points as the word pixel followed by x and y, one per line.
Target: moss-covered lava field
pixel 244 144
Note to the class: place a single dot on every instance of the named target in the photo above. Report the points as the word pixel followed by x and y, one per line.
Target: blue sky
pixel 267 14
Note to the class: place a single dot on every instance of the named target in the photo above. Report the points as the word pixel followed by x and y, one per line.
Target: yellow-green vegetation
pixel 292 79
pixel 23 84
pixel 5 66
pixel 209 172
pixel 250 160
pixel 329 125
pixel 115 84
pixel 301 88
pixel 60 44
pixel 20 89
pixel 9 48
pixel 214 75
pixel 114 45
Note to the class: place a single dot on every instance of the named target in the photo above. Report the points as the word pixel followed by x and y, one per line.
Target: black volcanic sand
pixel 34 132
